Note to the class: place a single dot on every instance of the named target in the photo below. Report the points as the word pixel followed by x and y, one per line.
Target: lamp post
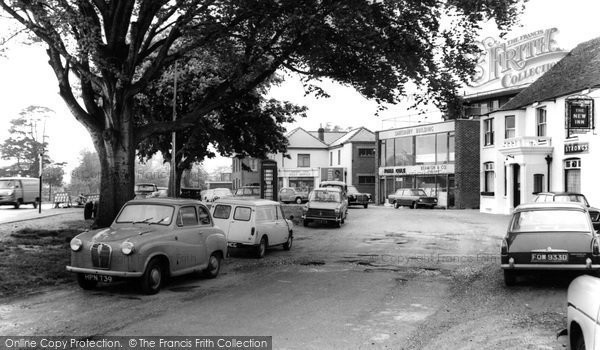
pixel 173 137
pixel 548 159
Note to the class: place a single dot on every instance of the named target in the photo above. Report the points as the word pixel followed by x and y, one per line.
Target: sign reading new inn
pixel 580 115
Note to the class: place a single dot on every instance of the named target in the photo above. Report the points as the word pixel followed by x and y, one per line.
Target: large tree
pixel 111 50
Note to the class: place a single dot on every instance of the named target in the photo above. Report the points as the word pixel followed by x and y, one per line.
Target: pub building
pixel 544 138
pixel 439 158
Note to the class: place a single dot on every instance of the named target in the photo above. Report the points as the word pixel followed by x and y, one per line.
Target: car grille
pixel 428 200
pixel 101 255
pixel 321 213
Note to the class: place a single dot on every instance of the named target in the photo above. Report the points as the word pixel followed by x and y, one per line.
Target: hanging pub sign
pixel 580 115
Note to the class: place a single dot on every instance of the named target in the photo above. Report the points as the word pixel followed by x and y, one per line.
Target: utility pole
pixel 41 168
pixel 174 138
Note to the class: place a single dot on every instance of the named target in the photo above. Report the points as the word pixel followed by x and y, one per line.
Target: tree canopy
pixel 111 51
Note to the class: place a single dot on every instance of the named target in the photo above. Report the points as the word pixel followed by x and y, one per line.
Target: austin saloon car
pixel 293 195
pixel 325 204
pixel 150 240
pixel 549 236
pixel 412 197
pixel 358 198
pixel 583 311
pixel 571 197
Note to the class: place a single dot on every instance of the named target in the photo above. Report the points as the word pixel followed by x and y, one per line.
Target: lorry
pixel 16 191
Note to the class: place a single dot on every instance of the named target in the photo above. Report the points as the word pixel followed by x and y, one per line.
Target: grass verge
pixel 34 258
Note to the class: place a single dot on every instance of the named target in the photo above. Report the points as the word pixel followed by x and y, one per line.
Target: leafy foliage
pixel 53 175
pixel 85 178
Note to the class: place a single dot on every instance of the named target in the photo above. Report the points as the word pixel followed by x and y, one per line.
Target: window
pixel 366 152
pixel 253 164
pixel 425 149
pixel 509 126
pixel 222 211
pixel 451 147
pixel 488 129
pixel 266 213
pixel 203 216
pixel 382 153
pixel 330 158
pixel 303 160
pixel 366 180
pixel 488 179
pixel 441 148
pixel 538 183
pixel 242 213
pixel 573 175
pixel 541 121
pixel 187 217
pixel 339 156
pixel 389 152
pixel 403 153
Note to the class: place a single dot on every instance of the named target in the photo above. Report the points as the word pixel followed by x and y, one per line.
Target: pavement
pixel 8 214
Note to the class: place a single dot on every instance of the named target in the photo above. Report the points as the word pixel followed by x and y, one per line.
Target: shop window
pixel 538 183
pixel 509 126
pixel 366 152
pixel 366 180
pixel 303 160
pixel 451 147
pixel 488 125
pixel 573 175
pixel 389 151
pixel 489 178
pixel 441 148
pixel 425 149
pixel 382 153
pixel 541 121
pixel 403 151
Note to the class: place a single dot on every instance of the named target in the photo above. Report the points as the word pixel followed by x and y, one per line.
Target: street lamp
pixel 548 159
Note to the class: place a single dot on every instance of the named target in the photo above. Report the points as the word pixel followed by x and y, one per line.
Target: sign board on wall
pixel 332 174
pixel 516 62
pixel 579 115
pixel 577 147
pixel 417 170
pixel 417 130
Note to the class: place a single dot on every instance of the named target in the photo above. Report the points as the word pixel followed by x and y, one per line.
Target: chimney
pixel 321 132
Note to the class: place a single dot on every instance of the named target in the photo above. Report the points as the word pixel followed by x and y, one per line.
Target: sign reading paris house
pixel 580 115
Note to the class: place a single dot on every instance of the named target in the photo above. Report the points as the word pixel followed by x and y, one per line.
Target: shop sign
pixel 580 116
pixel 515 62
pixel 577 147
pixel 417 170
pixel 296 173
pixel 419 130
pixel 332 174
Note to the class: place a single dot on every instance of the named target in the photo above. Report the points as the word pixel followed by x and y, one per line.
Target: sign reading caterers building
pixel 417 130
pixel 515 62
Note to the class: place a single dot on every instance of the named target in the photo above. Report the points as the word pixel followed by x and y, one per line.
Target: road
pixel 389 278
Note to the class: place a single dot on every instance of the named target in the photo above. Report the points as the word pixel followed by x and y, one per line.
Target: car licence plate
pixel 98 278
pixel 549 257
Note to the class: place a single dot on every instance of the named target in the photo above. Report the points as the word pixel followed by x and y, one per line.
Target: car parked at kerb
pixel 549 236
pixel 150 240
pixel 413 198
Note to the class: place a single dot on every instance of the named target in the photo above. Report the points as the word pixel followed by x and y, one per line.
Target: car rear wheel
pixel 288 244
pixel 414 205
pixel 396 205
pixel 261 249
pixel 510 278
pixel 152 279
pixel 214 266
pixel 84 283
pixel 366 205
pixel 579 343
pixel 17 204
pixel 298 200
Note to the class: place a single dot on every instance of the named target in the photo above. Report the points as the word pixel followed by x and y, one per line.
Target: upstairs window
pixel 303 160
pixel 541 121
pixel 488 129
pixel 509 129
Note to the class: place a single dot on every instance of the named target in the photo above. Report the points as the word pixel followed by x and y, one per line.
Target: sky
pixel 26 79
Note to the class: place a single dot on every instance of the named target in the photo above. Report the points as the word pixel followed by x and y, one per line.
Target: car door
pixel 241 226
pixel 192 241
pixel 221 214
pixel 281 229
pixel 266 223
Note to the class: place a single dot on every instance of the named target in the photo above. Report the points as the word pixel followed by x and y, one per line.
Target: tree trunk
pixel 178 172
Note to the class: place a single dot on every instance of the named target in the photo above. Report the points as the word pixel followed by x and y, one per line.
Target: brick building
pixel 441 158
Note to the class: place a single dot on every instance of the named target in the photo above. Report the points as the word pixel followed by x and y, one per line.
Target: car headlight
pixel 337 210
pixel 127 247
pixel 76 244
pixel 435 200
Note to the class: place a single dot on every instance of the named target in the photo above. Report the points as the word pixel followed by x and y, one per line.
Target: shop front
pixel 301 179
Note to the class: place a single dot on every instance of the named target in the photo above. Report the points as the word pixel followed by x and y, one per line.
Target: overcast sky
pixel 26 79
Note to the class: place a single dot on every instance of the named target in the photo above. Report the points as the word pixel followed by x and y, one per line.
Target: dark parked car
pixel 412 197
pixel 358 198
pixel 570 197
pixel 325 205
pixel 150 240
pixel 292 194
pixel 549 236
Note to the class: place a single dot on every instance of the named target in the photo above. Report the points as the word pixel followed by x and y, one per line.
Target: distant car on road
pixel 19 190
pixel 292 194
pixel 253 223
pixel 248 192
pixel 583 311
pixel 549 236
pixel 150 240
pixel 358 198
pixel 143 190
pixel 325 204
pixel 570 197
pixel 412 197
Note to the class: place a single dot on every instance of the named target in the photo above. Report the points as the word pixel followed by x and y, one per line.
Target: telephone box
pixel 268 176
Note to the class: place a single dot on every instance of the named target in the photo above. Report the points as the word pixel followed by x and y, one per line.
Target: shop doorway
pixel 516 185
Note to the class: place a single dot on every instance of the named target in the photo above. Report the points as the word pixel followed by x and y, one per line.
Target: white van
pixel 253 223
pixel 19 190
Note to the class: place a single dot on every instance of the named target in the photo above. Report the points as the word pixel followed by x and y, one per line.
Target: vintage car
pixel 583 311
pixel 143 190
pixel 412 197
pixel 292 194
pixel 150 240
pixel 549 236
pixel 248 192
pixel 358 198
pixel 257 224
pixel 325 204
pixel 571 197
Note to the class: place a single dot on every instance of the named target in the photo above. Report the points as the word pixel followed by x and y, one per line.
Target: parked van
pixel 253 223
pixel 19 190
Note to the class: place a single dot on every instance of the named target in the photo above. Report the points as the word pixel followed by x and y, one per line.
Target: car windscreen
pixel 148 213
pixel 324 196
pixel 144 188
pixel 352 189
pixel 418 193
pixel 571 198
pixel 6 184
pixel 222 192
pixel 550 221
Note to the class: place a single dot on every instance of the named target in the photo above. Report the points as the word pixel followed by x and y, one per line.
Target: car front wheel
pixel 261 249
pixel 288 244
pixel 298 200
pixel 414 205
pixel 214 266
pixel 396 205
pixel 152 279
